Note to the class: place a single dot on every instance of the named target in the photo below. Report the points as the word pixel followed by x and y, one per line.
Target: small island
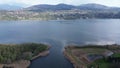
pixel 94 56
pixel 20 55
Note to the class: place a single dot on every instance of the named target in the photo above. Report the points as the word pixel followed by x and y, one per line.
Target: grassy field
pixel 101 63
pixel 116 55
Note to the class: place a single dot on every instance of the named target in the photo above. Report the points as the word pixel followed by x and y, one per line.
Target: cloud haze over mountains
pixel 25 3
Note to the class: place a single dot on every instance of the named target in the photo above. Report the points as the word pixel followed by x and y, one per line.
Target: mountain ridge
pixel 89 6
pixel 61 6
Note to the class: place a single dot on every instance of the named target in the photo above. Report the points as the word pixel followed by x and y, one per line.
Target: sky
pixel 114 3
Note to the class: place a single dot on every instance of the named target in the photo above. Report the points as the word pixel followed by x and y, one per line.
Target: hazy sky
pixel 73 2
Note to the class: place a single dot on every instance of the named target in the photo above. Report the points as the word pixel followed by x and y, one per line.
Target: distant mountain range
pixel 60 12
pixel 9 7
pixel 47 7
pixel 91 6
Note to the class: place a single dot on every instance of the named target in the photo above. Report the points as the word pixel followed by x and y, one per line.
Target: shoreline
pixel 42 54
pixel 70 59
pixel 26 63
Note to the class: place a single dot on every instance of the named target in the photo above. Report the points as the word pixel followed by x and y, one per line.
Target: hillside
pixel 46 7
pixel 89 6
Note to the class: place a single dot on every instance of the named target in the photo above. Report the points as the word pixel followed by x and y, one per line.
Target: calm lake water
pixel 58 34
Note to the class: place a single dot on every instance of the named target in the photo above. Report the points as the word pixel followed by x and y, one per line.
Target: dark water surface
pixel 58 34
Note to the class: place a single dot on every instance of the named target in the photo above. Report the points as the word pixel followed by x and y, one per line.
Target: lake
pixel 59 34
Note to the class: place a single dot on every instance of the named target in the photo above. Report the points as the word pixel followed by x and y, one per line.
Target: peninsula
pixel 94 56
pixel 20 55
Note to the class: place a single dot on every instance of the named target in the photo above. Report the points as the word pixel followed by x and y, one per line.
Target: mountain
pixel 9 7
pixel 90 6
pixel 46 7
pixel 58 7
pixel 93 6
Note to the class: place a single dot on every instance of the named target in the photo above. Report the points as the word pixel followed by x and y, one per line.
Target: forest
pixel 13 52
